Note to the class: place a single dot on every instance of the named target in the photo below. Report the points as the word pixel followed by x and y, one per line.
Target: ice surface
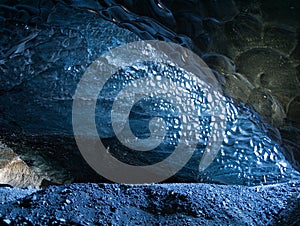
pixel 248 154
pixel 244 30
pixel 43 59
pixel 219 62
pixel 282 38
pixel 267 105
pixel 293 111
pixel 268 69
pixel 40 71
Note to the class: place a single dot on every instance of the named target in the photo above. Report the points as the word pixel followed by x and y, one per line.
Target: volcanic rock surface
pixel 160 204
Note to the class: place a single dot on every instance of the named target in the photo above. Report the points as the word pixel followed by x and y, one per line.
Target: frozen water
pixel 224 10
pixel 41 69
pixel 42 62
pixel 250 157
pixel 268 69
pixel 282 38
pixel 238 87
pixel 244 31
pixel 293 111
pixel 219 62
pixel 247 154
pixel 267 106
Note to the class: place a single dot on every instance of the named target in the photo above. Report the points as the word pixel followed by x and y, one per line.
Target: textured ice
pixel 42 65
pixel 269 107
pixel 293 111
pixel 244 30
pixel 282 38
pixel 248 154
pixel 45 51
pixel 269 69
pixel 286 12
pixel 219 62
pixel 140 23
pixel 236 85
pixel 224 10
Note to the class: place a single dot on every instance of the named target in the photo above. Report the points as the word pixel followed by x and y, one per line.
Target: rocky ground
pixel 157 204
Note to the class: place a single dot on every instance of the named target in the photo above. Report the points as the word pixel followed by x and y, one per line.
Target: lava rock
pixel 44 62
pixel 167 204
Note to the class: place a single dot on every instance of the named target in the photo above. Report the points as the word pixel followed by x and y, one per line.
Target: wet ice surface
pixel 41 65
pixel 248 153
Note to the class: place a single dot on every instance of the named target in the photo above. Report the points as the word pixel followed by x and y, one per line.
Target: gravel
pixel 152 204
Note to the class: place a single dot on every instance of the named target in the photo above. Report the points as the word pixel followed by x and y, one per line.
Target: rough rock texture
pixel 14 171
pixel 9 194
pixel 161 204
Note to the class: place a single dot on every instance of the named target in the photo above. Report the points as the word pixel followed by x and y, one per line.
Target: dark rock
pixel 167 204
pixel 8 195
